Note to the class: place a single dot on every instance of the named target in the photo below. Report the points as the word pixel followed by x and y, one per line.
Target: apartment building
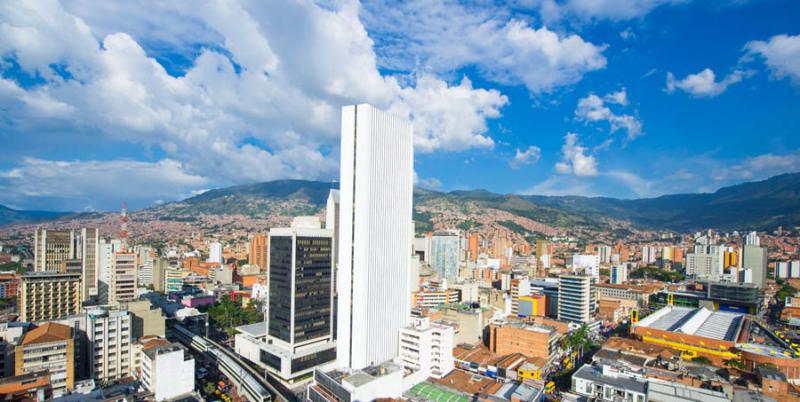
pixel 427 347
pixel 48 295
pixel 48 347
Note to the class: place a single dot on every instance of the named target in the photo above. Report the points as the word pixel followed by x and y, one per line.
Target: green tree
pixel 735 364
pixel 701 360
pixel 578 340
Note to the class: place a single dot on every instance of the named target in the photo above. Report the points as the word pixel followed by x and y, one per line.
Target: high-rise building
pixel 648 254
pixel 48 295
pixel 473 246
pixel 52 247
pixel 108 249
pixel 585 262
pixel 752 239
pixel 703 266
pixel 160 266
pixel 90 259
pixel 444 254
pixel 144 263
pixel 109 333
pixel 619 274
pixel 577 298
pixel 755 257
pixel 332 223
pixel 123 278
pixel 259 249
pixel 173 279
pixel 604 252
pixel 51 347
pixel 215 252
pixel 300 312
pixel 377 179
pixel 782 270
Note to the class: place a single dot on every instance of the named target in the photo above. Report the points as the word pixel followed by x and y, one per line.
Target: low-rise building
pixel 427 347
pixel 530 339
pixel 167 371
pixel 49 347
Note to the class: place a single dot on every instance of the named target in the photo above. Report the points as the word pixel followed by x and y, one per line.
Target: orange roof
pixel 50 332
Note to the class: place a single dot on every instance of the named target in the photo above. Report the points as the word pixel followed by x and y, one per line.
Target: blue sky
pixel 154 102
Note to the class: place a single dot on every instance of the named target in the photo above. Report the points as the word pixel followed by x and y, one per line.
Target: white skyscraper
pixel 215 252
pixel 377 178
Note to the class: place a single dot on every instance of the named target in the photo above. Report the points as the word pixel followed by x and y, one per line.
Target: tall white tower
pixel 377 179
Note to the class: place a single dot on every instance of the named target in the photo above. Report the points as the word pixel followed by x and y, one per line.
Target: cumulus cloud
pixel 758 167
pixel 526 157
pixel 593 108
pixel 781 53
pixel 430 183
pixel 704 83
pixel 257 95
pixel 574 159
pixel 443 37
pixel 615 10
pixel 82 185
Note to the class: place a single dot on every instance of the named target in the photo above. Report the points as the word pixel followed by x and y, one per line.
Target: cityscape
pixel 322 201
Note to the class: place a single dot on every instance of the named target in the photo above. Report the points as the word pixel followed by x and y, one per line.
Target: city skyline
pixel 548 98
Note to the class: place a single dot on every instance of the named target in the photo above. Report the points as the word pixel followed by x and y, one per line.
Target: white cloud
pixel 258 99
pixel 593 108
pixel 615 10
pixel 574 160
pixel 758 167
pixel 76 185
pixel 526 157
pixel 703 84
pixel 781 54
pixel 443 37
pixel 430 183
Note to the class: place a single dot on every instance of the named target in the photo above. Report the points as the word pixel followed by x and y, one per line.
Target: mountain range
pixel 755 205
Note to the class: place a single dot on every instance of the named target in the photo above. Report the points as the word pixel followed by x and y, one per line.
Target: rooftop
pixel 50 332
pixel 702 322
pixel 595 374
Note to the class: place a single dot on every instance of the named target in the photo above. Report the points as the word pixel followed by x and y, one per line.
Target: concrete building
pixel 9 337
pixel 146 319
pixel 160 266
pixel 300 312
pixel 52 247
pixel 258 251
pixel 530 339
pixel 754 257
pixel 649 254
pixel 123 278
pixel 590 264
pixel 387 380
pixel 145 259
pixel 604 254
pixel 577 298
pixel 108 251
pixel 49 347
pixel 215 252
pixel 518 288
pixel 377 179
pixel 173 279
pixel 90 262
pixel 619 274
pixel 109 334
pixel 468 321
pixel 48 296
pixel 436 297
pixel 444 253
pixel 167 371
pixel 427 347
pixel 704 266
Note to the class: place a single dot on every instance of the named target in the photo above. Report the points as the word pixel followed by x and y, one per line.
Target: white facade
pixel 377 178
pixel 604 252
pixel 427 347
pixel 168 371
pixel 109 334
pixel 106 251
pixel 144 262
pixel 444 254
pixel 703 266
pixel 619 274
pixel 215 252
pixel 794 269
pixel 588 263
pixel 577 298
pixel 648 254
pixel 424 244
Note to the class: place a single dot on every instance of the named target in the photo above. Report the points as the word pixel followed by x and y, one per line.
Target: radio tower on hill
pixel 123 224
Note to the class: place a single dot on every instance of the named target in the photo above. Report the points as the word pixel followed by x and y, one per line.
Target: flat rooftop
pixel 702 322
pixel 595 374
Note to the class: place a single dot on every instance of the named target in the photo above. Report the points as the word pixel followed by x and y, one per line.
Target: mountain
pixel 10 216
pixel 755 205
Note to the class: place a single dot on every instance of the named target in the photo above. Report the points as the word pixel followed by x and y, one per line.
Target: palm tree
pixel 578 340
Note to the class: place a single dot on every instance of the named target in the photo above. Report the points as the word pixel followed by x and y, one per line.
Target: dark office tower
pixel 300 313
pixel 90 261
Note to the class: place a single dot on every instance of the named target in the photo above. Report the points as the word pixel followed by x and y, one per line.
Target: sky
pixel 154 101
